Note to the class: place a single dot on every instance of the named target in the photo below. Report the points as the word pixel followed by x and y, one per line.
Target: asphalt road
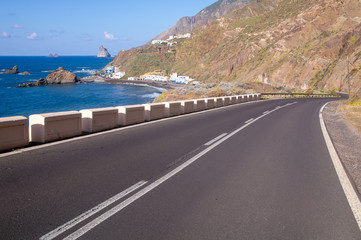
pixel 268 176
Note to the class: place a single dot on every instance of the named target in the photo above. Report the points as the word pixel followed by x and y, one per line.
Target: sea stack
pixel 103 52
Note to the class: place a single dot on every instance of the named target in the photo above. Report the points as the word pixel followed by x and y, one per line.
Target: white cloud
pixel 5 35
pixel 110 36
pixel 18 26
pixel 32 36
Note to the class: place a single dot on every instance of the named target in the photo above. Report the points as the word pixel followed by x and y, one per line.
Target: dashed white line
pixel 250 120
pixel 266 112
pixel 215 139
pixel 81 231
pixel 150 187
pixel 91 212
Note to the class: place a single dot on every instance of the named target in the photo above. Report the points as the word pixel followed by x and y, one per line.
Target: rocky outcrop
pixel 25 73
pixel 103 52
pixel 51 55
pixel 14 70
pixel 61 76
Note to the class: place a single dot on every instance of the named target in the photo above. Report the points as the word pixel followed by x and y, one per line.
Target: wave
pixel 89 71
pixel 82 67
pixel 151 95
pixel 48 71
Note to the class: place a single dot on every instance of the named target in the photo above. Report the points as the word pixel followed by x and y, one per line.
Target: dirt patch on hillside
pixel 347 141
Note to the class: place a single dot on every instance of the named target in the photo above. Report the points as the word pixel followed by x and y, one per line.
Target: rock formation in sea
pixel 14 70
pixel 103 52
pixel 60 76
pixel 25 73
pixel 53 56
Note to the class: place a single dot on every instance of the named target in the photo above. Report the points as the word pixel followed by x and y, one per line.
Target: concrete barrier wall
pixel 199 105
pixel 95 120
pixel 133 114
pixel 18 131
pixel 54 126
pixel 219 102
pixel 14 132
pixel 245 98
pixel 240 99
pixel 154 111
pixel 173 109
pixel 187 106
pixel 226 101
pixel 210 103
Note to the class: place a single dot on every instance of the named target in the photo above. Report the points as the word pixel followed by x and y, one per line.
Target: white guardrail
pixel 16 132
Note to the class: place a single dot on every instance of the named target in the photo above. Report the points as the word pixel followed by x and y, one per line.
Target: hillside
pixel 298 44
pixel 207 15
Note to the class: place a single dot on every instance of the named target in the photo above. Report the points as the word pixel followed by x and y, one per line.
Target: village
pixel 113 72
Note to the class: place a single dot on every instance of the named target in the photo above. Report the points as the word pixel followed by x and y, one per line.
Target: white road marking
pixel 80 232
pixel 215 139
pixel 91 212
pixel 265 112
pixel 249 120
pixel 350 193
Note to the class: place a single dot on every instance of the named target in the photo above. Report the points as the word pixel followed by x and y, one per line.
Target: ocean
pixel 58 98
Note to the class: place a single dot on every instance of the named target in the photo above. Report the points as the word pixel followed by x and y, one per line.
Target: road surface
pixel 259 170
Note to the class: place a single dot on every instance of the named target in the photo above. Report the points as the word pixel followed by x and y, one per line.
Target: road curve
pixel 258 170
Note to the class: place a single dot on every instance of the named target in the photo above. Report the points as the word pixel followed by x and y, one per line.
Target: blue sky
pixel 79 27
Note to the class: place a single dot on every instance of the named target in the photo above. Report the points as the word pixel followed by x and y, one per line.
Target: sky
pixel 79 27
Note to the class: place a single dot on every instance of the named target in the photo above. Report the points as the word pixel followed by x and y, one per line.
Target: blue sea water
pixel 57 98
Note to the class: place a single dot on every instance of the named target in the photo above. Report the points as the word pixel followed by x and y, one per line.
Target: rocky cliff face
pixel 304 44
pixel 103 52
pixel 207 15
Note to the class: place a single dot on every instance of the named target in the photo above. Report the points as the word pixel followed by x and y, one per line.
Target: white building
pixel 109 70
pixel 187 35
pixel 159 42
pixel 117 75
pixel 180 79
pixel 157 78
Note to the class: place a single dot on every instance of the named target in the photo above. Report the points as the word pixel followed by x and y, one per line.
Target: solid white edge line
pixel 350 193
pixel 151 186
pixel 65 227
pixel 215 139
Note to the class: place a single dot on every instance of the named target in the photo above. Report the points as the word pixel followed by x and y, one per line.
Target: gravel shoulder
pixel 347 141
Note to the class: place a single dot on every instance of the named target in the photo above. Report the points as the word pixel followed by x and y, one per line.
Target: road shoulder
pixel 346 139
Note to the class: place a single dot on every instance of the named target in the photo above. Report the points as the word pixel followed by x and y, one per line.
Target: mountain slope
pixel 207 15
pixel 299 44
